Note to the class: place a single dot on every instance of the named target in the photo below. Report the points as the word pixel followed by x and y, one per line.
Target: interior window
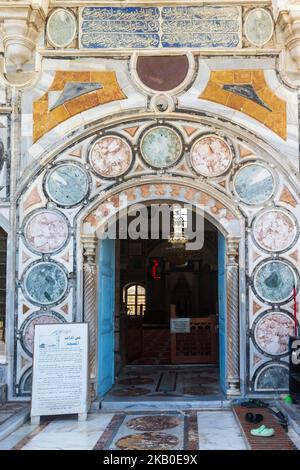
pixel 134 298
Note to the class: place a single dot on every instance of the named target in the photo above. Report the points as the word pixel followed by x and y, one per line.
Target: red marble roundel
pixel 162 73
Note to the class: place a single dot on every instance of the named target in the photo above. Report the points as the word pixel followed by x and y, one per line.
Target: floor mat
pixel 280 440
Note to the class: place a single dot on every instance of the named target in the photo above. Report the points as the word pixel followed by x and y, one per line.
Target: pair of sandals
pixel 262 431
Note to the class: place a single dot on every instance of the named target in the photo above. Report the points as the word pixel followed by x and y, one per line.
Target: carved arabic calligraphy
pixel 153 27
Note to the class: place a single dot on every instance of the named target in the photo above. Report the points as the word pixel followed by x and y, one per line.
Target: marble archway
pixel 216 208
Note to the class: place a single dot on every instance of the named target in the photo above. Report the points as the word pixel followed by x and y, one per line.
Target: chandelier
pixel 176 253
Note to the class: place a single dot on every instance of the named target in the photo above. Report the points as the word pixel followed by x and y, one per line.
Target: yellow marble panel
pixel 44 120
pixel 273 118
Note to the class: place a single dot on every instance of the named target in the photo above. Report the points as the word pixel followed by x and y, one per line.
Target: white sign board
pixel 180 325
pixel 60 370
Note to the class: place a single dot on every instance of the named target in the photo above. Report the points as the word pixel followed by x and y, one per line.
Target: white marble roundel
pixel 274 281
pixel 274 230
pixel 46 231
pixel 272 332
pixel 259 26
pixel 211 156
pixel 61 28
pixel 110 156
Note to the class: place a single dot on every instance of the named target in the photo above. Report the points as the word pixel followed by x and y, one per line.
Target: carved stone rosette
pixel 232 287
pixel 90 305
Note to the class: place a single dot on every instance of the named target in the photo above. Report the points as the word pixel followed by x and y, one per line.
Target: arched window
pixel 134 298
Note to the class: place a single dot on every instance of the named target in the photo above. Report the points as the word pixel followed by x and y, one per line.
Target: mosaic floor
pixel 185 430
pixel 172 382
pixel 148 431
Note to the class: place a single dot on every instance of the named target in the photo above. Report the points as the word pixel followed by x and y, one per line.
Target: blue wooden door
pixel 106 306
pixel 222 308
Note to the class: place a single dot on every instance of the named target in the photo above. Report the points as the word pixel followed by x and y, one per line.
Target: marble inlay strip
pixel 31 435
pixel 191 438
pixel 110 432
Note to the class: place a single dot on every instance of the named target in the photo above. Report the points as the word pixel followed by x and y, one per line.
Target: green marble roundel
pixel 46 283
pixel 61 28
pixel 161 146
pixel 67 184
pixel 274 281
pixel 254 183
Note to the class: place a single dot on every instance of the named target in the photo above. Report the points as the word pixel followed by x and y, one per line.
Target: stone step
pixel 12 416
pixel 166 405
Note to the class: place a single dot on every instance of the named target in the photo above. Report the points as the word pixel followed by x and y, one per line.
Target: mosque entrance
pixel 168 335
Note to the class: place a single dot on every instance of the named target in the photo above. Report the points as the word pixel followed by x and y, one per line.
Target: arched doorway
pixel 228 248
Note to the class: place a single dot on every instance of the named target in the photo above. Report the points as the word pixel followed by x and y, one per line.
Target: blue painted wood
pixel 222 308
pixel 106 305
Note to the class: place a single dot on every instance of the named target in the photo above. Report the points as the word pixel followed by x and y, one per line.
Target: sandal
pixel 263 431
pixel 254 418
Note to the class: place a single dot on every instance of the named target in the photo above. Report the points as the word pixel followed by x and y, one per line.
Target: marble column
pixel 90 306
pixel 232 307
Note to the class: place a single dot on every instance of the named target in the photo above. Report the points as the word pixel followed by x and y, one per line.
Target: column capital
pixel 232 249
pixel 89 244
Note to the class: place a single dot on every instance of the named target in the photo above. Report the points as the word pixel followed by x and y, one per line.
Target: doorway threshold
pixel 160 405
pixel 165 387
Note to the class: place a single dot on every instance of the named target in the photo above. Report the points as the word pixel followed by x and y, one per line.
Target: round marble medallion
pixel 272 332
pixel 273 377
pixel 147 441
pixel 45 282
pixel 110 156
pixel 211 156
pixel 161 146
pixel 37 318
pixel 254 183
pixel 67 184
pixel 46 231
pixel 61 28
pixel 259 26
pixel 274 230
pixel 153 423
pixel 274 281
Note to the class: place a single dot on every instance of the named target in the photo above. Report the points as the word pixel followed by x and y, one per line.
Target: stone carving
pixel 274 230
pixel 274 281
pixel 74 90
pixel 273 378
pixel 211 156
pixel 37 318
pixel 208 26
pixel 152 27
pixel 259 26
pixel 46 231
pixel 254 183
pixel 61 28
pixel 67 184
pixel 272 332
pixel 118 27
pixel 45 282
pixel 110 156
pixel 161 146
